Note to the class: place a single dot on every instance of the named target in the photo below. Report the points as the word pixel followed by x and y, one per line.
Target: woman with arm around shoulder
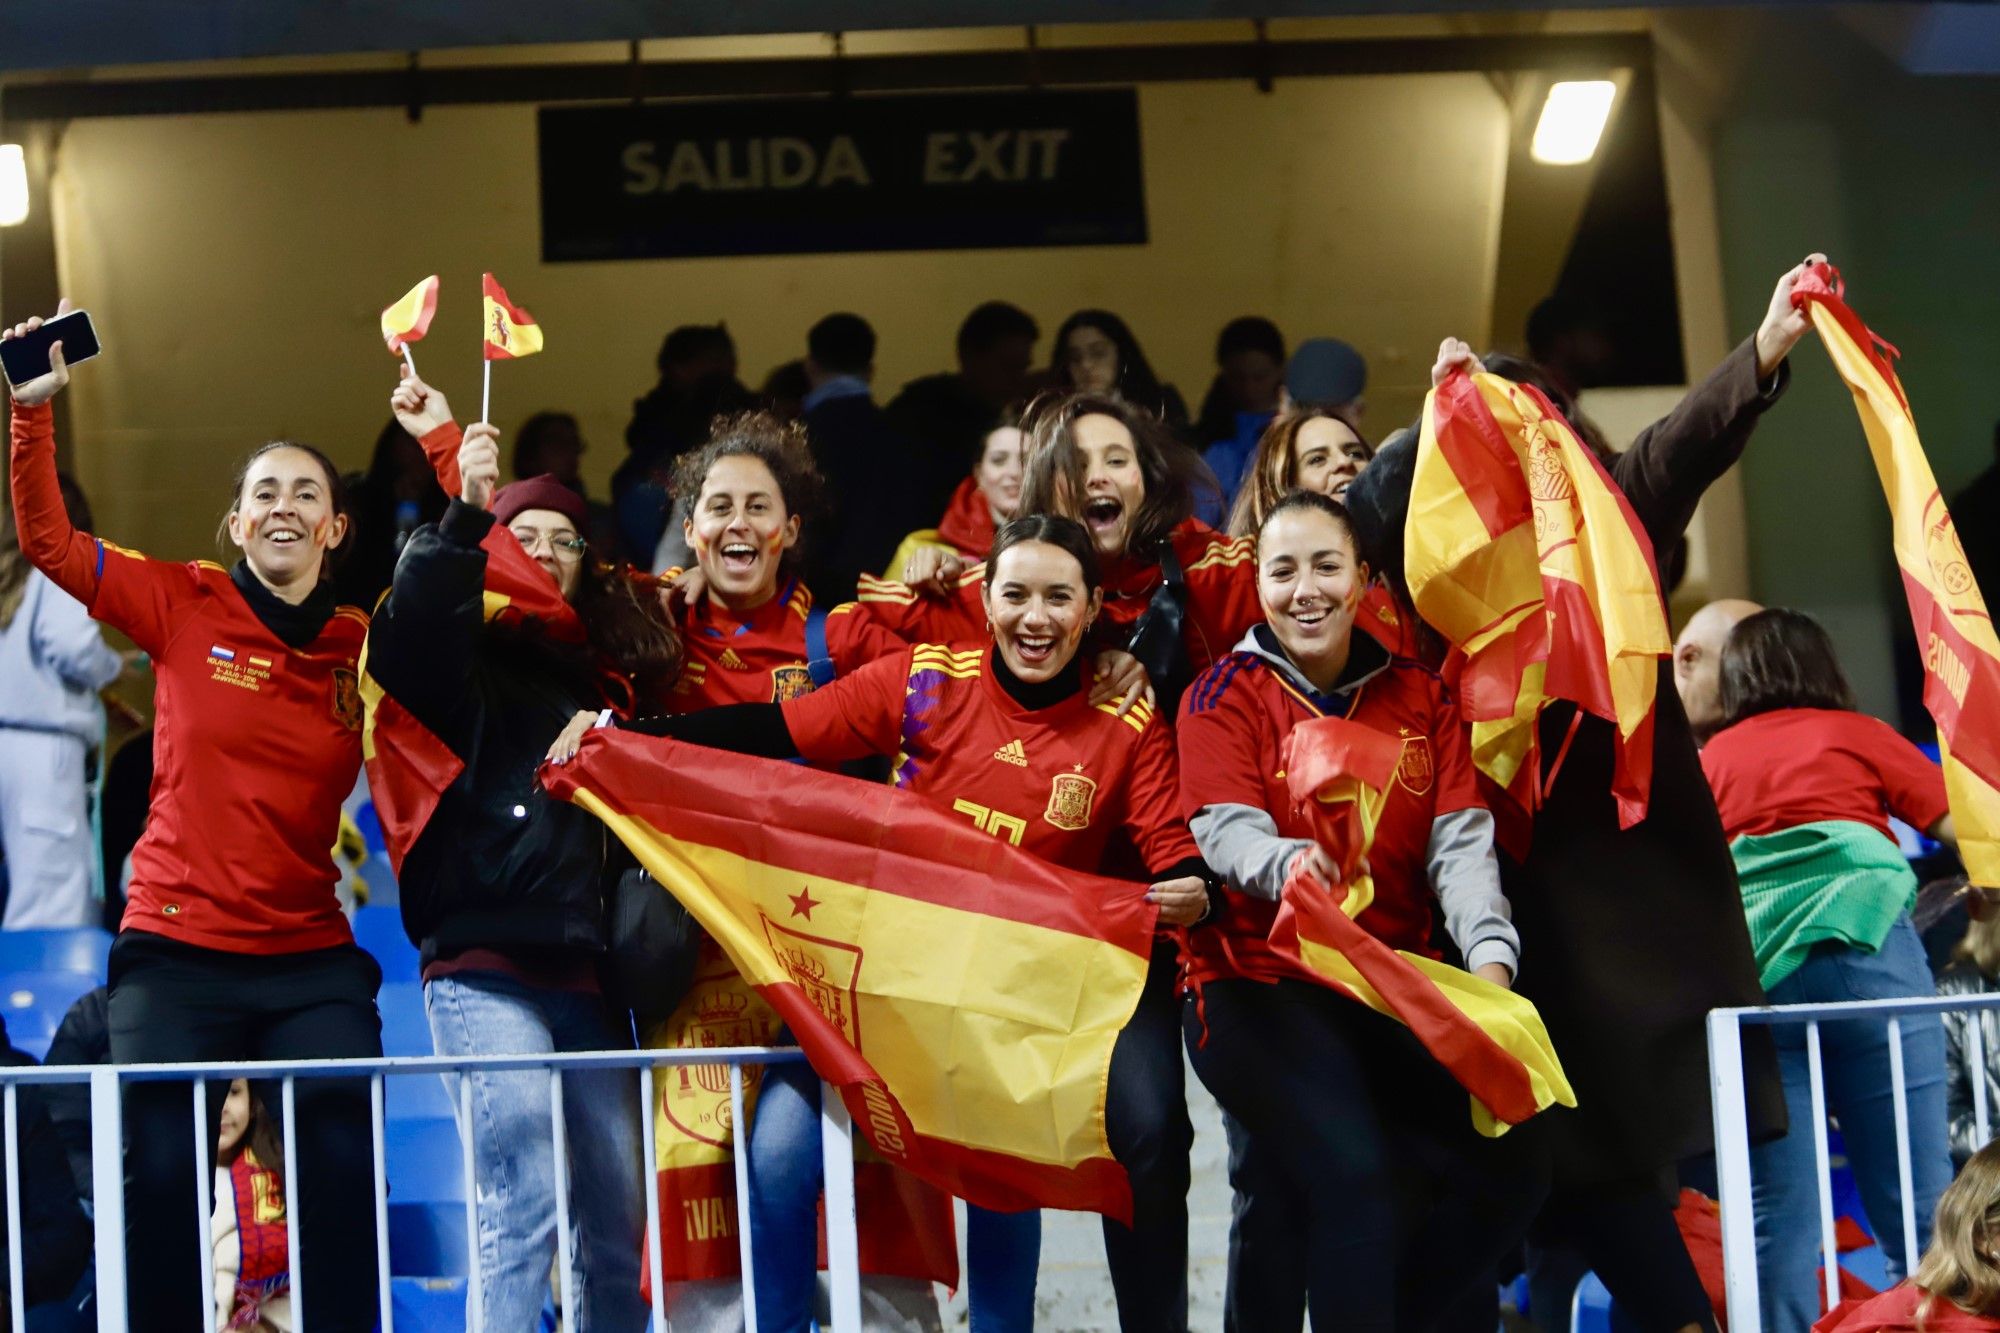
pixel 1805 786
pixel 1005 732
pixel 1266 1041
pixel 233 946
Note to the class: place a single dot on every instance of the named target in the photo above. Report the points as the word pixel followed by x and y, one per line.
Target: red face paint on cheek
pixel 321 530
pixel 777 542
pixel 700 544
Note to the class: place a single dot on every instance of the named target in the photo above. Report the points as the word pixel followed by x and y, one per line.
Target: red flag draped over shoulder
pixel 408 767
pixel 1960 651
pixel 962 995
pixel 1490 1039
pixel 1522 552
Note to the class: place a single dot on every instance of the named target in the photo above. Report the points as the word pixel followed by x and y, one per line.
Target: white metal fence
pixel 1732 1129
pixel 107 1168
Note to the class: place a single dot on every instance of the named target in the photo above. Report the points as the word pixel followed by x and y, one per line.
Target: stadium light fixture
pixel 13 185
pixel 1572 121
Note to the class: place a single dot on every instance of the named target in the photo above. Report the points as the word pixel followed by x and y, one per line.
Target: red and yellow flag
pixel 409 319
pixel 905 1227
pixel 1490 1039
pixel 1955 633
pixel 1525 556
pixel 510 331
pixel 962 995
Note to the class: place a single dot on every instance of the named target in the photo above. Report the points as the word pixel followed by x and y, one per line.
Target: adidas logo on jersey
pixel 729 661
pixel 1013 752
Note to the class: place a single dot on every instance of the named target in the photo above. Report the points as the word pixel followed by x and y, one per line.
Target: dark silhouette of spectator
pixel 84 1038
pixel 698 383
pixel 1571 341
pixel 398 494
pixel 56 1232
pixel 122 811
pixel 551 444
pixel 1248 389
pixel 1096 352
pixel 1975 512
pixel 868 465
pixel 948 414
pixel 1328 373
pixel 785 389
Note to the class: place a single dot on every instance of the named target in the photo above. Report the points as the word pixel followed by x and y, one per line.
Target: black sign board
pixel 813 176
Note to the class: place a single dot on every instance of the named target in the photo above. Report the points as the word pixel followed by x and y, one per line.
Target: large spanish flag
pixel 1961 653
pixel 409 767
pixel 1490 1039
pixel 1522 552
pixel 511 332
pixel 962 995
pixel 905 1227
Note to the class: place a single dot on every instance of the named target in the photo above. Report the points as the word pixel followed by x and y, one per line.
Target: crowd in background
pixel 1062 529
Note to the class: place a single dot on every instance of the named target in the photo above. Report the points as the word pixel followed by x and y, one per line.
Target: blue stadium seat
pixel 82 949
pixel 34 1004
pixel 405 1029
pixel 428 1304
pixel 416 1097
pixel 379 930
pixel 426 1199
pixel 1590 1308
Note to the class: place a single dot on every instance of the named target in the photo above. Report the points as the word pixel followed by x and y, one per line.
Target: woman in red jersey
pixel 1005 733
pixel 1384 1114
pixel 233 946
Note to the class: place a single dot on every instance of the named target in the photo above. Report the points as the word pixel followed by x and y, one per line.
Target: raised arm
pixel 422 640
pixel 119 587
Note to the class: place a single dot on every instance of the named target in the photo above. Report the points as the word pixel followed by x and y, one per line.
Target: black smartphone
pixel 27 357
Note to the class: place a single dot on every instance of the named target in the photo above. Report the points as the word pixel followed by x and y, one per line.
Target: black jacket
pixel 500 865
pixel 57 1231
pixel 84 1038
pixel 949 423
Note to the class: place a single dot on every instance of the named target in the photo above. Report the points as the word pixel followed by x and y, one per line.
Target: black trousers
pixel 1369 1190
pixel 1625 1231
pixel 172 1002
pixel 1146 1120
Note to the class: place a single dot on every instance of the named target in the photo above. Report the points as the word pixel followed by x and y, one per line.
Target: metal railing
pixel 108 1174
pixel 1732 1129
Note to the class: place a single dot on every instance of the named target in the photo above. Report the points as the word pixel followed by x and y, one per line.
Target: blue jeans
pixel 1855 1059
pixel 787 1173
pixel 513 1151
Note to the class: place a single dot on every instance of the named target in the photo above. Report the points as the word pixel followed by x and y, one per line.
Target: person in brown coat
pixel 1630 936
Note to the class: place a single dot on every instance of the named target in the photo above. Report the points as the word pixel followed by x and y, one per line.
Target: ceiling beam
pixel 824 75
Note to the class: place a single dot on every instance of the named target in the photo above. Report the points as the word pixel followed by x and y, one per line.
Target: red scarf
pixel 1895 1311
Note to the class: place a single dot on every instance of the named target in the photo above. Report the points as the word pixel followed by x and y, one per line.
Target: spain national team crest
pixel 347 698
pixel 790 682
pixel 1414 770
pixel 721 1010
pixel 1070 797
pixel 826 970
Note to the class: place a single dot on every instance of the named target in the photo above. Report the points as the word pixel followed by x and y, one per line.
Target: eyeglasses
pixel 566 547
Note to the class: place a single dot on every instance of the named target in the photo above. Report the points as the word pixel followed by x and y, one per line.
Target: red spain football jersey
pixel 1221 581
pixel 761 657
pixel 1057 781
pixel 1234 721
pixel 255 744
pixel 1795 766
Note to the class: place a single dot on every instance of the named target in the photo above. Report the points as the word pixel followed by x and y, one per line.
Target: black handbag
pixel 654 943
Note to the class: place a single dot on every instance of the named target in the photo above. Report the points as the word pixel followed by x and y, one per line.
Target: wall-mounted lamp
pixel 13 185
pixel 1572 121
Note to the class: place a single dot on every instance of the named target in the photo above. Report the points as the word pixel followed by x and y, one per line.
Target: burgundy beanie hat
pixel 543 492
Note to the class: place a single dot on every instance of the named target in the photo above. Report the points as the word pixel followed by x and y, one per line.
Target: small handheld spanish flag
pixel 409 319
pixel 510 331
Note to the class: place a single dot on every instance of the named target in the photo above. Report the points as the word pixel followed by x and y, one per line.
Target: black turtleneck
pixel 295 626
pixel 1036 695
